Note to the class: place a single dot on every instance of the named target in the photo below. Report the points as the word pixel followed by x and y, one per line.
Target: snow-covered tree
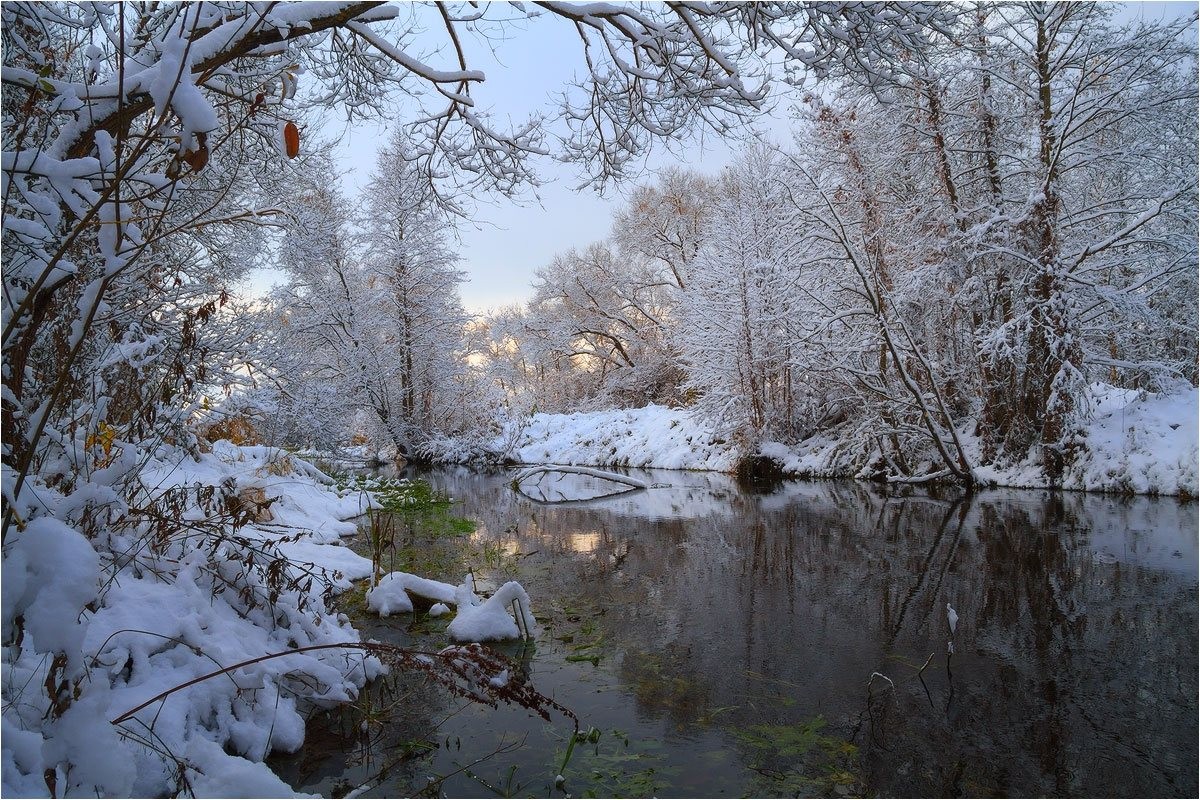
pixel 989 229
pixel 611 316
pixel 372 317
pixel 408 258
pixel 662 223
pixel 740 318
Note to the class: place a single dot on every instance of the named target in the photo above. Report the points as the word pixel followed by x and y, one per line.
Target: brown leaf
pixel 291 139
pixel 197 159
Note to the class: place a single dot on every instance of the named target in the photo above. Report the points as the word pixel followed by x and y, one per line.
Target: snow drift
pixel 141 609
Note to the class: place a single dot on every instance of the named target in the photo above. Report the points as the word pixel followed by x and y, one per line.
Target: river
pixel 795 642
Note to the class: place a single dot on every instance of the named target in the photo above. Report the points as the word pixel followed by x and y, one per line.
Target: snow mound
pixel 490 620
pixel 1140 444
pixel 1134 443
pixel 477 620
pixel 391 595
pixel 143 611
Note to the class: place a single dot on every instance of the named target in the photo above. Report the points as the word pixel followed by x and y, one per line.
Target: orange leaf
pixel 291 139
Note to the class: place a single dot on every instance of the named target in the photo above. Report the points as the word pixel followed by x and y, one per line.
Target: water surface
pixel 795 643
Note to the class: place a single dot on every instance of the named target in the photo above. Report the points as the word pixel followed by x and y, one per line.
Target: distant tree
pixel 408 258
pixel 331 358
pixel 373 319
pixel 740 313
pixel 663 222
pixel 611 314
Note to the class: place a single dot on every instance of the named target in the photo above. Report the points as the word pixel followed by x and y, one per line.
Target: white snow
pixel 141 616
pixel 1143 445
pixel 391 595
pixel 50 573
pixel 652 436
pixel 491 620
pixel 1134 442
pixel 477 620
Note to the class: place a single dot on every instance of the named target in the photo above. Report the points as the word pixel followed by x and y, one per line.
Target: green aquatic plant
pixel 405 522
pixel 612 765
pixel 799 759
pixel 665 682
pixel 592 646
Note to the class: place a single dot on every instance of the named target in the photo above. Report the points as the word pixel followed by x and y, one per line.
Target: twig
pixel 921 678
pixel 875 675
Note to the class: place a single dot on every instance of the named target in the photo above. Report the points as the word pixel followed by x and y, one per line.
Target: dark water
pixel 736 636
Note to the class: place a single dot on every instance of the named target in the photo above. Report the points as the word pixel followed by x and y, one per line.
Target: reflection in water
pixel 721 612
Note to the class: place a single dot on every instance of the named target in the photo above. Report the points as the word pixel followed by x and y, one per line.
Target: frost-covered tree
pixel 611 310
pixel 330 359
pixel 740 316
pixel 372 318
pixel 990 227
pixel 1088 207
pixel 662 223
pixel 610 315
pixel 408 258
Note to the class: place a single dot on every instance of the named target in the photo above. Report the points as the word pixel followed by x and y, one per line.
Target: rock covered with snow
pixel 477 620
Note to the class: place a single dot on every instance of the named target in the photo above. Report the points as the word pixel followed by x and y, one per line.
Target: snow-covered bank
pixel 139 610
pixel 1134 443
pixel 652 436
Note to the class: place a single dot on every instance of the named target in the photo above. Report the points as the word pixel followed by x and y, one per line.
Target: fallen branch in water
pixel 615 477
pixel 626 483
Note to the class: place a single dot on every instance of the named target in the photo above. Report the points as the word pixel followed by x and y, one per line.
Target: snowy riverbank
pixel 1134 442
pixel 141 610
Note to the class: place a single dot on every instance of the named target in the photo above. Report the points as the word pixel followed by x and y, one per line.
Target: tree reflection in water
pixel 1075 666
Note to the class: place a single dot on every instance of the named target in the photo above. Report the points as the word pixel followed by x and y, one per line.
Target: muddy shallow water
pixel 795 643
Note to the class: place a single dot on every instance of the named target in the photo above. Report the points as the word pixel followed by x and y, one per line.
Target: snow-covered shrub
pixel 173 580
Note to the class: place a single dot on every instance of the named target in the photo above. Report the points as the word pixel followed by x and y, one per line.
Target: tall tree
pixel 407 257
